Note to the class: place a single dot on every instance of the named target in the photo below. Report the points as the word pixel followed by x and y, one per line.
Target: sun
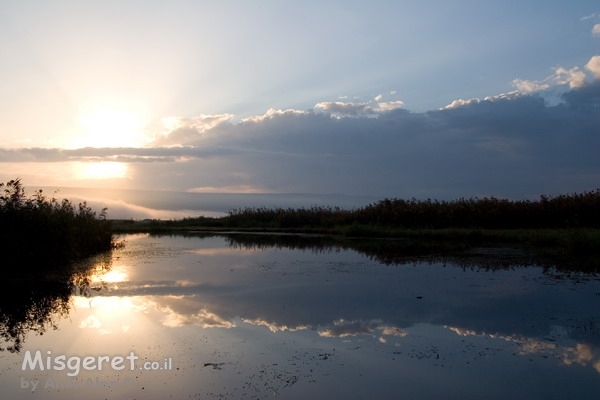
pixel 100 170
pixel 109 127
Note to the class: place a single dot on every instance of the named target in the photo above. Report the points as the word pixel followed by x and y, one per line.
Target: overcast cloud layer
pixel 515 145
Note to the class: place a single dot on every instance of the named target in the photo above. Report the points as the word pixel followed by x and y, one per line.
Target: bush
pixel 37 233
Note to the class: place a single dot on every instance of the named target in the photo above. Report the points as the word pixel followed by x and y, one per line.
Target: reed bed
pixel 38 232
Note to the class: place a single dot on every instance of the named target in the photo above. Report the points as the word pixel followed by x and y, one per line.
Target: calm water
pixel 228 319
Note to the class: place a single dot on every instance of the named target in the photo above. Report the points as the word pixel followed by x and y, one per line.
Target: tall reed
pixel 37 232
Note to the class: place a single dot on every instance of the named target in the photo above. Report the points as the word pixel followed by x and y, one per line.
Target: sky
pixel 156 108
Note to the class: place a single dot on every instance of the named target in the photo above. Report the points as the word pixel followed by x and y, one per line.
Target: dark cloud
pixel 513 145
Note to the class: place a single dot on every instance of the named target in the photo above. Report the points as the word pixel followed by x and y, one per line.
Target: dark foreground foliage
pixel 40 234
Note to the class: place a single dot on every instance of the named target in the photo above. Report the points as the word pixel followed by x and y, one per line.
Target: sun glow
pixel 101 170
pixel 111 277
pixel 110 127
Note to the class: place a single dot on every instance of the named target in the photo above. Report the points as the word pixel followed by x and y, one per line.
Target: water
pixel 243 317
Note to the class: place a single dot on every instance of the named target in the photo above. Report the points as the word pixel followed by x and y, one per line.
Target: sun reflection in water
pixel 112 276
pixel 110 314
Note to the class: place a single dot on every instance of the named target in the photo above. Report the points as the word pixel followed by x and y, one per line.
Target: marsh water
pixel 294 317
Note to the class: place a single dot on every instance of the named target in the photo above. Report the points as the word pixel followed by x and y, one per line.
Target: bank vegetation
pixel 41 234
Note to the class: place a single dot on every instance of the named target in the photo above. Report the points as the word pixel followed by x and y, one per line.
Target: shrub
pixel 37 232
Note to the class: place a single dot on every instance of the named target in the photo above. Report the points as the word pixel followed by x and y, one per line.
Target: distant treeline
pixel 579 210
pixel 37 232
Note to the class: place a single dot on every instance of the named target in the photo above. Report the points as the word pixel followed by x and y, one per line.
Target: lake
pixel 241 316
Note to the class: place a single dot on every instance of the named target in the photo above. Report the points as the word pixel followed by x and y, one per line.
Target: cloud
pixel 274 327
pixel 462 103
pixel 591 16
pixel 596 30
pixel 338 107
pixel 342 328
pixel 513 144
pixel 390 105
pixel 525 86
pixel 272 113
pixel 574 77
pixel 594 66
pixel 581 354
pixel 179 130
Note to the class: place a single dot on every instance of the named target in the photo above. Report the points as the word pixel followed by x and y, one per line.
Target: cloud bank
pixel 512 145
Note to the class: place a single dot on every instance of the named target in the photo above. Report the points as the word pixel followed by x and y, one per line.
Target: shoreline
pixel 569 249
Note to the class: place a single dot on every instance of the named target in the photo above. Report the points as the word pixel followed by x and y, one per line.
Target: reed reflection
pixel 472 253
pixel 43 299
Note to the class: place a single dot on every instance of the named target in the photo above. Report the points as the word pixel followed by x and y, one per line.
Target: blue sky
pixel 384 98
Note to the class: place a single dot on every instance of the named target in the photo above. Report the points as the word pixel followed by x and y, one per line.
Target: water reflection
pixel 310 317
pixel 42 299
pixel 36 307
pixel 408 251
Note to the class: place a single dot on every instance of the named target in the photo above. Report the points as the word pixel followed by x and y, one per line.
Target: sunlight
pixel 101 170
pixel 110 315
pixel 110 127
pixel 111 277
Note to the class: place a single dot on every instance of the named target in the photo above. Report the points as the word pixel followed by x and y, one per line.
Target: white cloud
pixel 338 107
pixel 201 123
pixel 342 328
pixel 594 66
pixel 272 113
pixel 504 96
pixel 274 327
pixel 596 30
pixel 574 77
pixel 591 16
pixel 460 103
pixel 525 86
pixel 177 315
pixel 390 105
pixel 176 131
